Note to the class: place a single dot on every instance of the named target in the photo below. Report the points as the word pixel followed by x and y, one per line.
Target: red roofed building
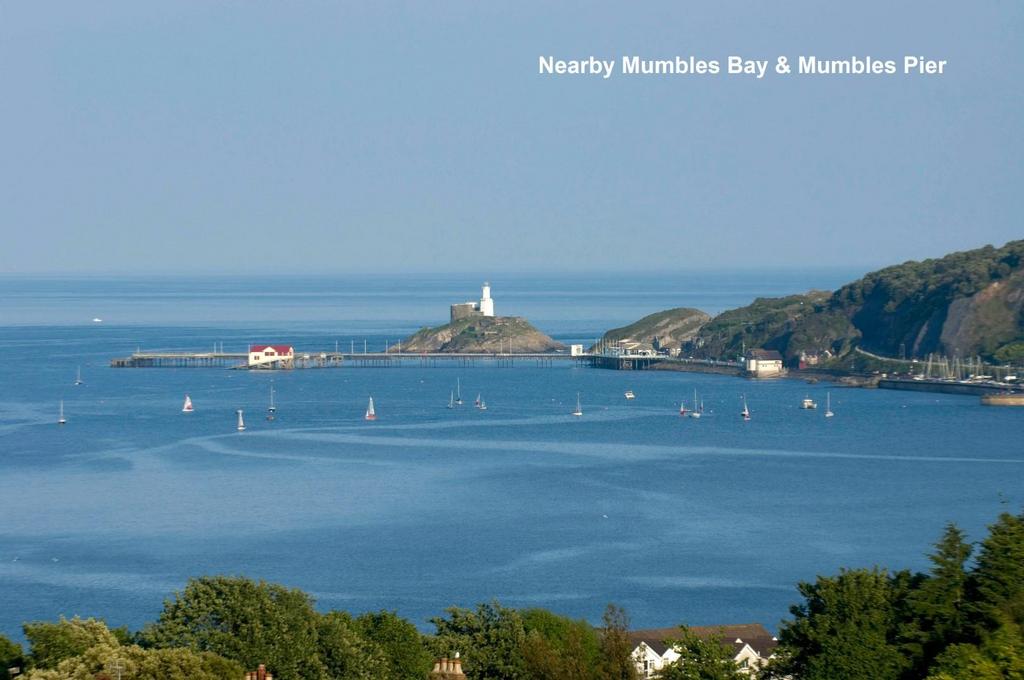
pixel 271 356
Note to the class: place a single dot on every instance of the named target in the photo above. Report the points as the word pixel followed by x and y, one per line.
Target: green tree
pixel 559 648
pixel 1000 656
pixel 11 656
pixel 50 643
pixel 247 621
pixel 701 658
pixel 844 630
pixel 490 640
pixel 996 587
pixel 936 605
pixel 345 654
pixel 403 646
pixel 107 662
pixel 616 649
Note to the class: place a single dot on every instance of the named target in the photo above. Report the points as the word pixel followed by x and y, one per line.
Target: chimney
pixel 448 669
pixel 259 674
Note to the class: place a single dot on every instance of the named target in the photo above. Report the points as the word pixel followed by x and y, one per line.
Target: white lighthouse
pixel 486 303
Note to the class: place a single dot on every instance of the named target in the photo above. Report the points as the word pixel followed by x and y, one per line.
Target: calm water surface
pixel 699 521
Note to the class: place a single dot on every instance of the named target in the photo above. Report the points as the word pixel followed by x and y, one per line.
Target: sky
pixel 333 137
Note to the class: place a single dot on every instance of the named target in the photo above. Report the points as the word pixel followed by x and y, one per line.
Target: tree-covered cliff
pixel 967 303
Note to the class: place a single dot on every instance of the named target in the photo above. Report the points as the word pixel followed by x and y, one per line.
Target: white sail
pixel 371 414
pixel 828 405
pixel 579 408
pixel 187 406
pixel 241 421
pixel 78 376
pixel 61 420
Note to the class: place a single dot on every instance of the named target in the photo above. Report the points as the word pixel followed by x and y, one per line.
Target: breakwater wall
pixel 946 387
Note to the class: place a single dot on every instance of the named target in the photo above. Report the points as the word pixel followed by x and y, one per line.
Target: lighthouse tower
pixel 486 303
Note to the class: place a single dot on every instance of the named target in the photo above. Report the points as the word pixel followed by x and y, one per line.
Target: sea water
pixel 702 521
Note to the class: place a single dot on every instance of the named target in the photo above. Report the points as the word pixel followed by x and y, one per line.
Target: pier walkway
pixel 239 360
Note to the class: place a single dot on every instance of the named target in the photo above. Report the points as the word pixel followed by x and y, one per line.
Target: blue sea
pixel 678 520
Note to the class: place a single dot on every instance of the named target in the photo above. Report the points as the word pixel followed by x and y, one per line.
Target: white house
pixel 764 363
pixel 271 356
pixel 752 643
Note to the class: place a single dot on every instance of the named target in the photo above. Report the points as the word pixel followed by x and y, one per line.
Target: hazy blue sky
pixel 339 137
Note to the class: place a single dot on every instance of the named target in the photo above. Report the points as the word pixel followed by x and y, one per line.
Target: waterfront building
pixel 752 644
pixel 764 363
pixel 271 356
pixel 483 307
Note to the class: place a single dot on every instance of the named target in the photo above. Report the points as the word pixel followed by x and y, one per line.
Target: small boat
pixel 483 405
pixel 241 421
pixel 697 411
pixel 746 411
pixel 630 395
pixel 97 319
pixel 476 402
pixel 271 410
pixel 808 403
pixel 579 408
pixel 458 392
pixel 371 414
pixel 61 420
pixel 187 406
pixel 682 409
pixel 451 400
pixel 78 377
pixel 828 405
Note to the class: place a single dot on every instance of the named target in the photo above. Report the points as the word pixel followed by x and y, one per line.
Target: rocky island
pixel 474 328
pixel 482 334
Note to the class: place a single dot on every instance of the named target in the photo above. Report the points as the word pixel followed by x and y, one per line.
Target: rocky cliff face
pixel 670 328
pixel 969 303
pixel 482 334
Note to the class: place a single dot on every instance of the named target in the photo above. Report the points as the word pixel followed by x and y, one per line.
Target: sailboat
pixel 458 392
pixel 746 411
pixel 451 400
pixel 476 402
pixel 187 406
pixel 78 377
pixel 682 408
pixel 62 420
pixel 241 422
pixel 579 409
pixel 828 405
pixel 370 413
pixel 695 413
pixel 483 405
pixel 271 410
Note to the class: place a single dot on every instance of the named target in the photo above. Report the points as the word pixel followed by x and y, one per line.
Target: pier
pixel 392 359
